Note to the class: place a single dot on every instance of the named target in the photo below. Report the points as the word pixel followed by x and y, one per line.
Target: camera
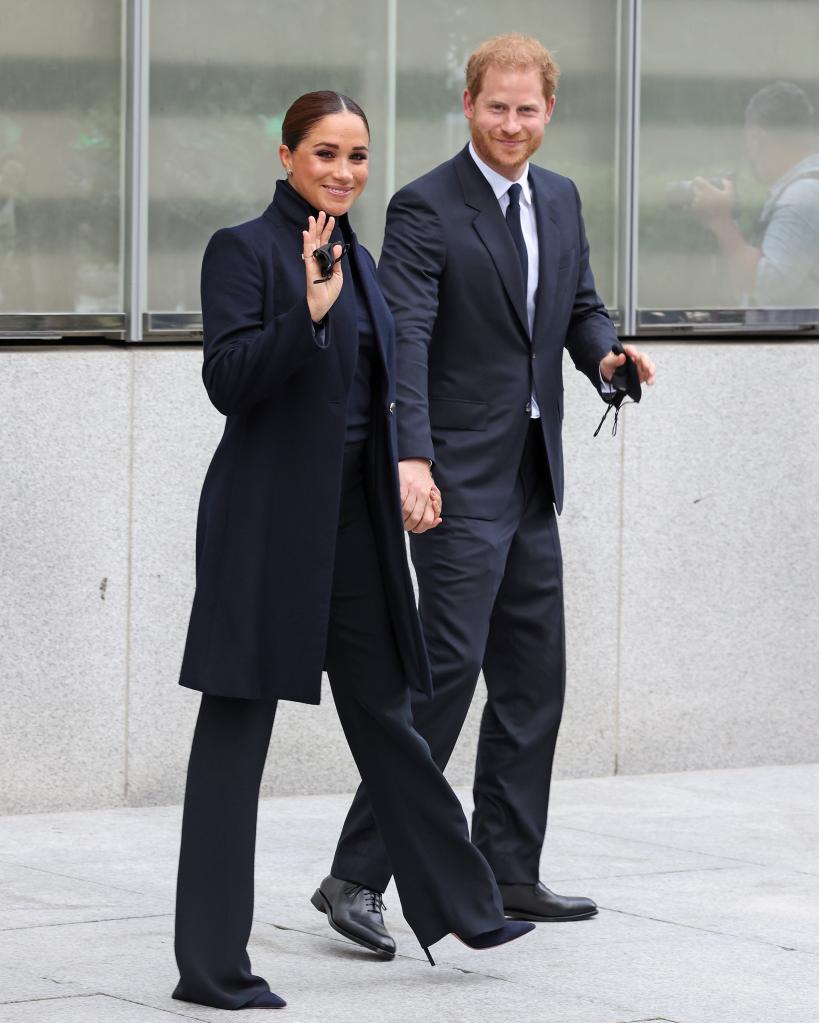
pixel 680 194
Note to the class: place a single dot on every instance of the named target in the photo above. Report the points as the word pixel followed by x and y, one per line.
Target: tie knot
pixel 514 194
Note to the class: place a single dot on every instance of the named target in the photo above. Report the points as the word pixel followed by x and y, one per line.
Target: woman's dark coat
pixel 269 508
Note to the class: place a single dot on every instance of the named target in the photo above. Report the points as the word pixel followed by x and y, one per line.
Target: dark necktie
pixel 513 223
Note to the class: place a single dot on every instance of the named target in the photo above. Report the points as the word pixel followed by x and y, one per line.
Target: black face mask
pixel 626 379
pixel 326 260
pixel 626 383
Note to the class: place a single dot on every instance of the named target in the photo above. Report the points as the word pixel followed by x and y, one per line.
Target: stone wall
pixel 691 547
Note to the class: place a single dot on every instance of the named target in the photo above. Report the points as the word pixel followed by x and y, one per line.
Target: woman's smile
pixel 335 145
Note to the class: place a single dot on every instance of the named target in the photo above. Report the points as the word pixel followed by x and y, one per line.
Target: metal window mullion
pixel 137 177
pixel 630 167
pixel 391 104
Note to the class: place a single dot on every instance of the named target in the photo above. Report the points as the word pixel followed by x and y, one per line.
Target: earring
pixel 289 171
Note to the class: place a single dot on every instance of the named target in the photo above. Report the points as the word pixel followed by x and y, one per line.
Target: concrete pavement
pixel 708 884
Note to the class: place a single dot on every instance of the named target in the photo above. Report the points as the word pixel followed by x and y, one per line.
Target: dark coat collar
pixel 294 210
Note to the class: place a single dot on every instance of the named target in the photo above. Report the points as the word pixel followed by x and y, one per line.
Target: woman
pixel 301 564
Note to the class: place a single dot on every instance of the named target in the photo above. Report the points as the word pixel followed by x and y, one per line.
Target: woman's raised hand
pixel 321 296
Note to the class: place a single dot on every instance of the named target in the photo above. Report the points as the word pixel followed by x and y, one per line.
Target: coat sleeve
pixel 591 333
pixel 246 360
pixel 409 272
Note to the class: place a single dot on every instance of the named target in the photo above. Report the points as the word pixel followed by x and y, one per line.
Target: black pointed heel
pixel 511 930
pixel 431 960
pixel 266 1000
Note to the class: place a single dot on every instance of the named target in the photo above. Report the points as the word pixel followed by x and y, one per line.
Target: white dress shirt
pixel 528 225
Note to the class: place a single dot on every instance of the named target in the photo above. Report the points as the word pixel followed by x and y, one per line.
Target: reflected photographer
pixel 779 265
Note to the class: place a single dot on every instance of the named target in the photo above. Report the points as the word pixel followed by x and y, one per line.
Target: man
pixel 780 265
pixel 485 267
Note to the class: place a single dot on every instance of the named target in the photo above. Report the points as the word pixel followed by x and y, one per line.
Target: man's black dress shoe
pixel 355 912
pixel 536 902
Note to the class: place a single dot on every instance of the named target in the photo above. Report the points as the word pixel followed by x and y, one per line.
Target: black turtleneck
pixel 297 209
pixel 294 207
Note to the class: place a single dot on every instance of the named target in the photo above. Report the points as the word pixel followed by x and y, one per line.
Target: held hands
pixel 645 367
pixel 321 296
pixel 420 499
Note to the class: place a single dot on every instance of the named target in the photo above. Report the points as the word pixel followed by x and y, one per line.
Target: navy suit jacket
pixel 467 364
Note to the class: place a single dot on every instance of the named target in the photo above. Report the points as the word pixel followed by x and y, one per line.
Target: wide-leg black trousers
pixel 491 596
pixel 444 883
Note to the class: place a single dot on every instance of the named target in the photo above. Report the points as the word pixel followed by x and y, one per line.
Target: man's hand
pixel 645 367
pixel 714 208
pixel 420 498
pixel 710 204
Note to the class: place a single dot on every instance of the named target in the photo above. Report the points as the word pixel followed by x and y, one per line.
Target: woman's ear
pixel 286 158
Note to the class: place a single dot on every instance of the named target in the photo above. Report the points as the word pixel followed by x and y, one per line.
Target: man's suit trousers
pixel 444 883
pixel 491 596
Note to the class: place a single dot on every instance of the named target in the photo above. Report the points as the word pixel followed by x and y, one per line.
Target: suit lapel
pixel 493 232
pixel 379 312
pixel 548 242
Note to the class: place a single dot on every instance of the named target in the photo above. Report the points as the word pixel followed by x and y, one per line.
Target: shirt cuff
pixel 319 332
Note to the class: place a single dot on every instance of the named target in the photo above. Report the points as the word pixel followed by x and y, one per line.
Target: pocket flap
pixel 458 414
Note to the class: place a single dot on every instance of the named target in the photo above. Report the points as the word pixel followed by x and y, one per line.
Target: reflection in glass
pixel 729 159
pixel 222 77
pixel 60 157
pixel 778 265
pixel 435 39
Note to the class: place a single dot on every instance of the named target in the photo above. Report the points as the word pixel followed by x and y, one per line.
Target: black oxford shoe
pixel 536 902
pixel 356 913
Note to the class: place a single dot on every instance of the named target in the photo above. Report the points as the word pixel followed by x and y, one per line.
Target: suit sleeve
pixel 409 272
pixel 246 360
pixel 591 333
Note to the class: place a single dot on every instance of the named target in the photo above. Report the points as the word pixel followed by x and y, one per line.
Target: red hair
pixel 512 52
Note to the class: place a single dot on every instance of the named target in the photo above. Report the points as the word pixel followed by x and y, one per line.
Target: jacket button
pixel 391 409
pixel 527 408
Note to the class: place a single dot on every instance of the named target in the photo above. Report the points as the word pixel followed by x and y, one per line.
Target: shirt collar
pixel 809 166
pixel 498 183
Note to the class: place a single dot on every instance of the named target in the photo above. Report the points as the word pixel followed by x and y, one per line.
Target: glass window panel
pixel 699 249
pixel 435 39
pixel 60 157
pixel 222 77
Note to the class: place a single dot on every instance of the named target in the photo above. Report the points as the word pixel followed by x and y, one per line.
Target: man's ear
pixel 469 106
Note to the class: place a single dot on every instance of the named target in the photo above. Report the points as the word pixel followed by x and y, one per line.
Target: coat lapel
pixel 344 324
pixel 548 242
pixel 493 232
pixel 379 312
